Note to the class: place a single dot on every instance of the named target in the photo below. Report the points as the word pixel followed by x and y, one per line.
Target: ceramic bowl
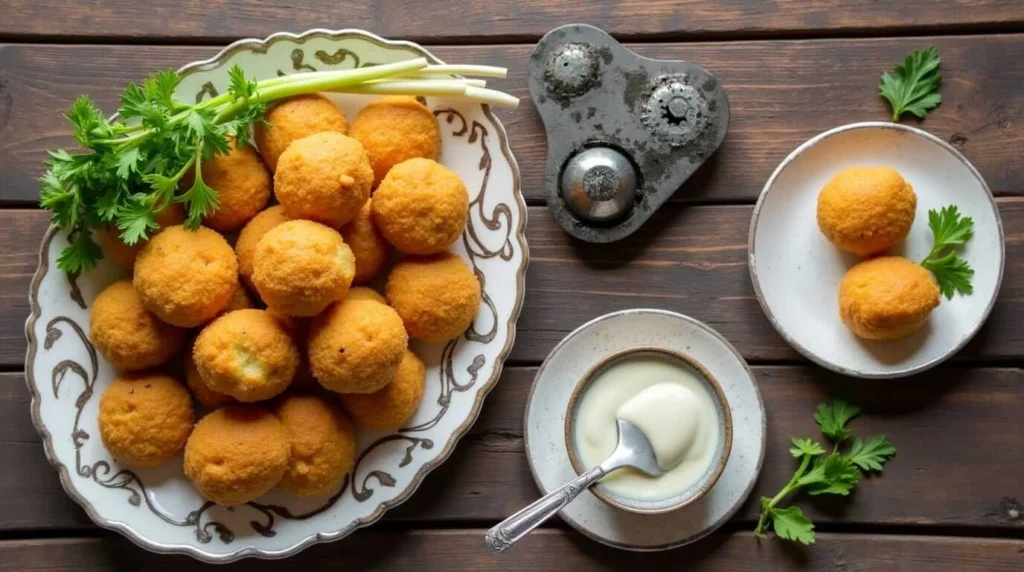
pixel 722 448
pixel 796 271
pixel 158 509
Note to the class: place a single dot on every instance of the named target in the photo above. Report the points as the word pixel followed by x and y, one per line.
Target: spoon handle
pixel 513 528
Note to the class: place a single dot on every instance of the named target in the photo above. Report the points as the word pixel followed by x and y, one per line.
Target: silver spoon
pixel 633 450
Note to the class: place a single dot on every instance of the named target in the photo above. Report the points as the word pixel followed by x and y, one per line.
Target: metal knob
pixel 599 184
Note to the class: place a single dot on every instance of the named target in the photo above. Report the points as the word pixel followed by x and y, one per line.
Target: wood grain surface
pixel 691 260
pixel 463 549
pixel 781 93
pixel 497 20
pixel 957 431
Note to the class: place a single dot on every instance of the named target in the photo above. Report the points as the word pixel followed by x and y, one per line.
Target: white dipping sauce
pixel 670 404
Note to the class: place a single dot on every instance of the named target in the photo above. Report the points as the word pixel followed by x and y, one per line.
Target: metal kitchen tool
pixel 624 132
pixel 634 450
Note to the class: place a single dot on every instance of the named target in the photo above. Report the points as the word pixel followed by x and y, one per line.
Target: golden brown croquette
pixel 236 454
pixel 365 293
pixel 394 129
pixel 323 444
pixel 866 210
pixel 247 354
pixel 109 237
pixel 127 334
pixel 355 346
pixel 887 298
pixel 393 405
pixel 301 266
pixel 186 277
pixel 145 418
pixel 242 183
pixel 437 297
pixel 252 232
pixel 324 177
pixel 368 246
pixel 421 207
pixel 202 393
pixel 240 300
pixel 294 119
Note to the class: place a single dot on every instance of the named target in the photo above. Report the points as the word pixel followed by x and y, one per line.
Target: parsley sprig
pixel 822 471
pixel 912 86
pixel 950 231
pixel 132 166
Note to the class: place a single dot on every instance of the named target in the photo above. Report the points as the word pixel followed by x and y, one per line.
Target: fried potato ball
pixel 127 334
pixel 294 119
pixel 247 354
pixel 355 346
pixel 437 297
pixel 109 237
pixel 301 266
pixel 393 405
pixel 323 445
pixel 242 183
pixel 324 177
pixel 365 293
pixel 866 210
pixel 202 393
pixel 887 298
pixel 421 207
pixel 252 232
pixel 186 277
pixel 240 300
pixel 145 418
pixel 368 246
pixel 394 129
pixel 236 454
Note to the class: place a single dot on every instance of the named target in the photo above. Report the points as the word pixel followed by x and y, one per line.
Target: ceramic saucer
pixel 796 271
pixel 548 401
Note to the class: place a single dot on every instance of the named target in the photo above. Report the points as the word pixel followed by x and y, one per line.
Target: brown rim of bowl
pixel 588 378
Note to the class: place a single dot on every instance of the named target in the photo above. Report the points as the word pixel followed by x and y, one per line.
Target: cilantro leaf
pixel 239 86
pixel 88 121
pixel 872 454
pixel 833 475
pixel 80 255
pixel 950 230
pixel 136 219
pixel 803 447
pixel 160 87
pixel 201 199
pixel 127 162
pixel 791 524
pixel 912 85
pixel 833 417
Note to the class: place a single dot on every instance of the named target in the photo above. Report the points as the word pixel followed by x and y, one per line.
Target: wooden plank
pixel 690 260
pixel 781 93
pixel 426 550
pixel 959 461
pixel 498 20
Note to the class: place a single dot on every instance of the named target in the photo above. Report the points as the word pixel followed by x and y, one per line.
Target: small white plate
pixel 796 271
pixel 548 403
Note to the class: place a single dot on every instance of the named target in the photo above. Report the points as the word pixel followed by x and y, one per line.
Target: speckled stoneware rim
pixel 582 529
pixel 723 448
pixel 255 44
pixel 752 249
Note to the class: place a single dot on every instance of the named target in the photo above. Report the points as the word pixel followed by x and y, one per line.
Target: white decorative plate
pixel 551 395
pixel 796 271
pixel 158 509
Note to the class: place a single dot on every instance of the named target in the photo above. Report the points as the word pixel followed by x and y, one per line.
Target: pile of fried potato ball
pixel 866 211
pixel 285 385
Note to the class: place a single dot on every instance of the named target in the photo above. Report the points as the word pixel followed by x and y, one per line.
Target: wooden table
pixel 951 500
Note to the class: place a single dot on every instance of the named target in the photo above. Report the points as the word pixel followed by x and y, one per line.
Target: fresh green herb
pixel 822 472
pixel 951 230
pixel 133 166
pixel 912 86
